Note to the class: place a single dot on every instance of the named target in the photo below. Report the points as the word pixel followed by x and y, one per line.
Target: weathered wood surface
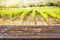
pixel 29 31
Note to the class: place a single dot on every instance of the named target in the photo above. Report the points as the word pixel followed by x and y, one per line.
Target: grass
pixel 33 14
pixel 24 12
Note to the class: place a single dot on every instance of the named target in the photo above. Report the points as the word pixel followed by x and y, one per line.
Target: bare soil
pixel 53 21
pixel 39 21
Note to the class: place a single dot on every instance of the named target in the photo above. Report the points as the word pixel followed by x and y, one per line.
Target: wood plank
pixel 29 32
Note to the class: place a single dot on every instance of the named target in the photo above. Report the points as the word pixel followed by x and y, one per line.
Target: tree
pixel 58 4
pixel 50 4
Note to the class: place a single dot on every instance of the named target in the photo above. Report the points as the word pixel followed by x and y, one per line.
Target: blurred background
pixel 28 3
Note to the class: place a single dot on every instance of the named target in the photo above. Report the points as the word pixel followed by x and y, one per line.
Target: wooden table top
pixel 29 32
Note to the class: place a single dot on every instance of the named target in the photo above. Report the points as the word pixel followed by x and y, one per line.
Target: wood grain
pixel 8 31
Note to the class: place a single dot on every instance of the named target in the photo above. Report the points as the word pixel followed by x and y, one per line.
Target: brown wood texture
pixel 29 31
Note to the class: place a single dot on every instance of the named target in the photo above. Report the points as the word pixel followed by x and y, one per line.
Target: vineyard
pixel 30 16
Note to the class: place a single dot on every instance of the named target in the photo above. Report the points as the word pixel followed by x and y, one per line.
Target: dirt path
pixel 40 20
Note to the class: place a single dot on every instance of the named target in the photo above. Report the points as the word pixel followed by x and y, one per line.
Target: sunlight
pixel 11 2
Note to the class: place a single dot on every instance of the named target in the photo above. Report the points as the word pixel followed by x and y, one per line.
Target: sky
pixel 8 2
pixel 11 2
